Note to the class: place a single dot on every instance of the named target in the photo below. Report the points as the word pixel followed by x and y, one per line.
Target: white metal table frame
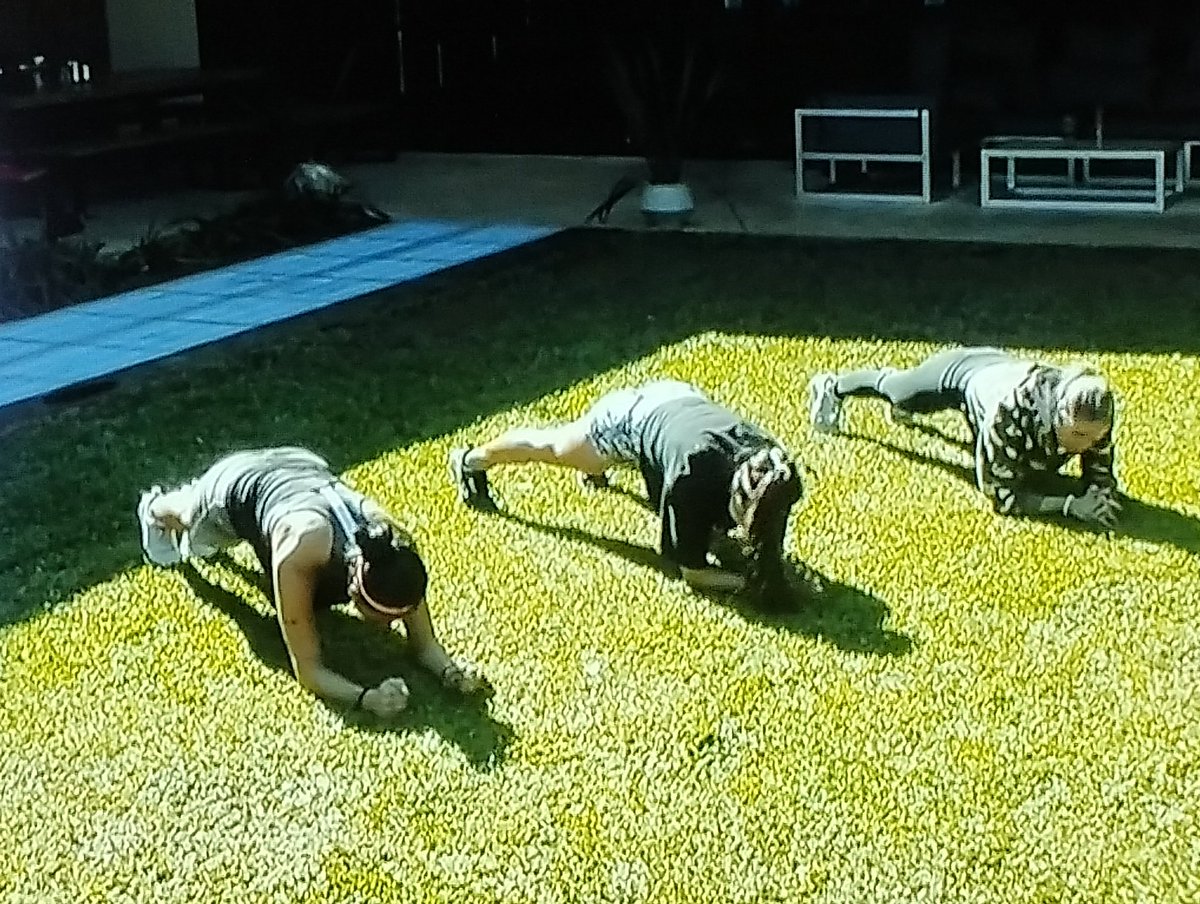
pixel 1188 148
pixel 832 158
pixel 1094 194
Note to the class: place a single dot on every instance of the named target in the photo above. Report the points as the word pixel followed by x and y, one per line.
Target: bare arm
pixel 421 637
pixel 300 549
pixel 433 656
pixel 418 625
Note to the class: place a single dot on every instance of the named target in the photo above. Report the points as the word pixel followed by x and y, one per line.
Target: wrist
pixel 361 698
pixel 434 658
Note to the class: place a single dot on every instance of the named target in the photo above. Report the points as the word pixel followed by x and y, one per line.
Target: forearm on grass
pixel 1014 497
pixel 422 640
pixel 297 555
pixel 328 684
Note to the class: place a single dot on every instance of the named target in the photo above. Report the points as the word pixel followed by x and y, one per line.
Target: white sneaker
pixel 824 407
pixel 158 543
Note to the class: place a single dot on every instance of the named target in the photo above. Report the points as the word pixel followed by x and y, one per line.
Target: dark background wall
pixel 76 29
pixel 524 76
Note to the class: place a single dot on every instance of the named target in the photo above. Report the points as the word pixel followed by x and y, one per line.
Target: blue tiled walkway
pixel 42 354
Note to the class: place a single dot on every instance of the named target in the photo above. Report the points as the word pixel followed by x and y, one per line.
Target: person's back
pixel 707 471
pixel 681 431
pixel 260 489
pixel 691 448
pixel 320 543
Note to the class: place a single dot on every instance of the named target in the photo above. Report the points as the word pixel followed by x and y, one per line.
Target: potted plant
pixel 663 75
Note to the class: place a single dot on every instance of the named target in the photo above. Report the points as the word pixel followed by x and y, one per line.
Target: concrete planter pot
pixel 667 203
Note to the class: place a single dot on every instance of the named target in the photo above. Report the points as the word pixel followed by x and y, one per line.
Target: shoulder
pixel 302 538
pixel 1037 381
pixel 708 457
pixel 1018 409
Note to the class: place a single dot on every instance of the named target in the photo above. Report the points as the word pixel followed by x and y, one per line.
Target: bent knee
pixel 572 447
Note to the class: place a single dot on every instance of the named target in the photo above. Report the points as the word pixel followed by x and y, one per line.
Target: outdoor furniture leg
pixel 1160 181
pixel 926 160
pixel 1180 181
pixel 985 178
pixel 799 155
pixel 956 170
pixel 1011 180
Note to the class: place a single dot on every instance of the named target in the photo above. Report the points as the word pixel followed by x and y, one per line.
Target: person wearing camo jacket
pixel 1026 417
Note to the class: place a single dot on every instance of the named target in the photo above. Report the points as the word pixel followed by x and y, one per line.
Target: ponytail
pixel 766 484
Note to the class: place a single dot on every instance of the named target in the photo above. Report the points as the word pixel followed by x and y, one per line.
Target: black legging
pixel 936 384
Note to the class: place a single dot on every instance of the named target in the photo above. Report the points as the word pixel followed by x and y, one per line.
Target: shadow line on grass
pixel 425 359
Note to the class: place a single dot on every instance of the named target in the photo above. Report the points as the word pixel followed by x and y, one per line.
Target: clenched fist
pixel 389 699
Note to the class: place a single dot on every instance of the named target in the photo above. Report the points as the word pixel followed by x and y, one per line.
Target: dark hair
pixel 766 485
pixel 394 574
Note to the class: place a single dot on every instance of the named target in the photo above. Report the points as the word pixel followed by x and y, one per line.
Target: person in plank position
pixel 320 544
pixel 723 487
pixel 1026 418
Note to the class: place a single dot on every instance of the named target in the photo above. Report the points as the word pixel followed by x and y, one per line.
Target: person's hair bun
pixel 374 539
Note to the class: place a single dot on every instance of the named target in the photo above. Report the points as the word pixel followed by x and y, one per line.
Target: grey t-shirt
pixel 687 452
pixel 260 497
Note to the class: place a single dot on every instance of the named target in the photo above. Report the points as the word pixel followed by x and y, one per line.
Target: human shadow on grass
pixel 633 496
pixel 1139 520
pixel 816 606
pixel 367 655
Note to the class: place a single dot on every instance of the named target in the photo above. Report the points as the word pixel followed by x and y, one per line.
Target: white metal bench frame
pixel 1111 194
pixel 1188 148
pixel 924 159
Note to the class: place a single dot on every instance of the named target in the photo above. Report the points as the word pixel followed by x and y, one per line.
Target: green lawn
pixel 975 709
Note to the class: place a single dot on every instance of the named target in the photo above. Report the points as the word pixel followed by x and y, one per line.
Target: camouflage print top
pixel 1020 441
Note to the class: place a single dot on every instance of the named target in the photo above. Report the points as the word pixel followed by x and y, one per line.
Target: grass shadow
pixel 1140 520
pixel 639 555
pixel 640 499
pixel 937 433
pixel 367 655
pixel 817 607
